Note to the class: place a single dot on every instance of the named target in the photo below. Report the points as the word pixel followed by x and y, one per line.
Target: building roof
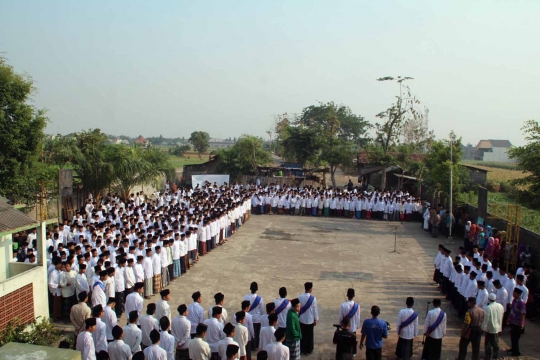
pixel 140 140
pixel 363 157
pixel 12 219
pixel 489 144
pixel 477 168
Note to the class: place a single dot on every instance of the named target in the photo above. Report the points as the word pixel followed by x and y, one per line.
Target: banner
pixel 201 179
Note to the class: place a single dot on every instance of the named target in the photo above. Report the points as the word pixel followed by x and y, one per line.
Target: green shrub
pixel 41 331
pixel 493 185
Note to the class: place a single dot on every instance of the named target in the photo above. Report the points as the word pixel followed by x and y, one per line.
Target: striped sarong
pixel 148 287
pixel 294 349
pixel 164 277
pixel 157 284
pixel 177 269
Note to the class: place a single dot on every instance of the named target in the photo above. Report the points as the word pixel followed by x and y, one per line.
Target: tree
pixel 388 132
pixel 528 160
pixel 438 164
pixel 21 135
pixel 243 157
pixel 200 141
pixel 416 131
pixel 324 134
pixel 179 150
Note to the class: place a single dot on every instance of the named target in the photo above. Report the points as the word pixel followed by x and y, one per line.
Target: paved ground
pixel 335 254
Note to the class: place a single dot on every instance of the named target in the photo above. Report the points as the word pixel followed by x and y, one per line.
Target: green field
pixel 178 162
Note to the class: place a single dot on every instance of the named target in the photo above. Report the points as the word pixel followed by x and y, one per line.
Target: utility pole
pixel 450 240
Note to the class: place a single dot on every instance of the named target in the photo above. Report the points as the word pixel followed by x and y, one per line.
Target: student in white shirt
pixel 148 324
pixel 276 350
pixel 407 330
pixel 118 349
pixel 195 312
pixel 229 331
pixel 198 348
pixel 109 318
pixel 166 341
pixel 154 351
pixel 256 310
pixel 267 332
pixel 241 333
pixel 100 334
pixel 282 307
pixel 132 334
pixel 162 306
pixel 85 341
pixel 351 310
pixel 219 298
pixel 181 330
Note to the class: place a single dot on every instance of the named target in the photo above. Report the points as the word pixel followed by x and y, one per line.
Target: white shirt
pixel 431 317
pixel 82 284
pixel 148 323
pixel 277 351
pixel 214 333
pixel 133 337
pixel 410 331
pixel 195 315
pixel 502 296
pixel 166 342
pixel 154 352
pixel 282 316
pixel 118 350
pixel 110 320
pixel 312 314
pixel 510 285
pixel 241 337
pixel 98 294
pixel 199 349
pixel 181 329
pixel 493 318
pixel 222 347
pixel 100 336
pixel 162 309
pixel 134 302
pixel 85 344
pixel 345 309
pixel 266 336
pixel 482 298
pixel 223 318
pixel 259 310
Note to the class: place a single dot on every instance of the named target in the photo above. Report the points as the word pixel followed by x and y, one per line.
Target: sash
pixel 255 303
pixel 307 305
pixel 408 321
pixel 437 322
pixel 100 284
pixel 353 311
pixel 282 307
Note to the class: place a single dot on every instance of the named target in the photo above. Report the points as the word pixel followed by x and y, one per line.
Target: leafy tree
pixel 528 160
pixel 324 134
pixel 179 150
pixel 438 164
pixel 243 157
pixel 388 132
pixel 200 141
pixel 21 135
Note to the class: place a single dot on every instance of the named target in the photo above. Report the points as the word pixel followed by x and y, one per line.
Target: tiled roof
pixel 11 218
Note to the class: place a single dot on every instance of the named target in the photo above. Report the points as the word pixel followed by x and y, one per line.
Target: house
pixel 142 141
pixel 493 150
pixel 199 169
pixel 23 286
pixel 477 175
pixel 220 143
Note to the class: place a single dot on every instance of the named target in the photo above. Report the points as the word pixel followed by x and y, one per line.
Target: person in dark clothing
pixel 345 341
pixel 471 331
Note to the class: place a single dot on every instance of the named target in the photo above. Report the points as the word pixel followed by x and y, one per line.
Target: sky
pixel 229 67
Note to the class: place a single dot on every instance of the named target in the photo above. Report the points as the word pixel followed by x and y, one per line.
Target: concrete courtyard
pixel 334 254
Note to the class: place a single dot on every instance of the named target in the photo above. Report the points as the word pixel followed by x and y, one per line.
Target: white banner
pixel 201 179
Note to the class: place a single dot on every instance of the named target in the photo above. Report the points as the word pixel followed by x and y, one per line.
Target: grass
pixel 498 171
pixel 530 218
pixel 178 162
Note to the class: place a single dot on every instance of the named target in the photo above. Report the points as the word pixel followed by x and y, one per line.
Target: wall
pixel 6 254
pixel 20 276
pixel 497 155
pixel 477 177
pixel 526 237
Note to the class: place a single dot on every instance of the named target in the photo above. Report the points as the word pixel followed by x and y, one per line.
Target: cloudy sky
pixel 228 67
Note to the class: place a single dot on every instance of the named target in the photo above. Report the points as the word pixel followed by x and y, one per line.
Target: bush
pixel 41 331
pixel 493 185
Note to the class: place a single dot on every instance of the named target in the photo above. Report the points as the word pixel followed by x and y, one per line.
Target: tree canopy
pixel 200 141
pixel 21 136
pixel 243 157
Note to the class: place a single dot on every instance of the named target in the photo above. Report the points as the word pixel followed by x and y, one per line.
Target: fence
pixel 526 237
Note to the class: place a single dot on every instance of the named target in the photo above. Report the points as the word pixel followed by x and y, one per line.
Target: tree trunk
pixel 383 177
pixel 333 175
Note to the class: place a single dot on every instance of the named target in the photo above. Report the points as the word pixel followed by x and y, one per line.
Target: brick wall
pixel 17 304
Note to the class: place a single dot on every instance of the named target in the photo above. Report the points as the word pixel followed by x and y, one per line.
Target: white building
pixel 493 150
